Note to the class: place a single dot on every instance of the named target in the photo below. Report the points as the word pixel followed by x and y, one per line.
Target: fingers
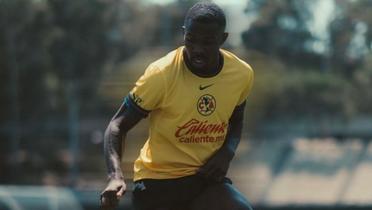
pixel 109 200
pixel 212 173
pixel 111 195
pixel 217 175
pixel 202 170
pixel 120 192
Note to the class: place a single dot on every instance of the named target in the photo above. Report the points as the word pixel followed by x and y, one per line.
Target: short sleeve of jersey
pixel 248 86
pixel 149 90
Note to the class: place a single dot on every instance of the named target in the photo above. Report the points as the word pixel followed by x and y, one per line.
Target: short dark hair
pixel 206 12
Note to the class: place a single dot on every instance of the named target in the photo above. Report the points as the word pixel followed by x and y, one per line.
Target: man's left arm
pixel 216 167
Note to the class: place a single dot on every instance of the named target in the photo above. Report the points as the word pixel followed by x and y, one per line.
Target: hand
pixel 111 195
pixel 215 169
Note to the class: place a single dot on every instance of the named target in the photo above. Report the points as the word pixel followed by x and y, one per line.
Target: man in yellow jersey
pixel 194 98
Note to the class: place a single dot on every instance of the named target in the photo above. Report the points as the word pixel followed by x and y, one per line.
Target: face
pixel 202 45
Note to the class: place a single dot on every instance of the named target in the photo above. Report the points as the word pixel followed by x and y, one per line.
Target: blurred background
pixel 66 65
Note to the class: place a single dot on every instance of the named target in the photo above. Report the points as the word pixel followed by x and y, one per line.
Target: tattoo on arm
pixel 125 119
pixel 112 150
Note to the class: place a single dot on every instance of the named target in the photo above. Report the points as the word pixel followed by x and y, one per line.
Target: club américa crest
pixel 206 105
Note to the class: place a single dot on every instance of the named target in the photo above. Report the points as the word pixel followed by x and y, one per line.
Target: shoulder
pixel 159 71
pixel 167 62
pixel 242 67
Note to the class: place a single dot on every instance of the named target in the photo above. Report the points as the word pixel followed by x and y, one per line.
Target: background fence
pixel 65 67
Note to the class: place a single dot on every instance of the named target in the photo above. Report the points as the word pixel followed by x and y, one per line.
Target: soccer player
pixel 194 98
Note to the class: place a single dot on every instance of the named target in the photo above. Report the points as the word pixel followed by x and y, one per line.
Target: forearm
pixel 234 132
pixel 233 139
pixel 113 141
pixel 217 165
pixel 126 118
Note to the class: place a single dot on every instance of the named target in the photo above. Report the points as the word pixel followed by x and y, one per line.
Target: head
pixel 204 34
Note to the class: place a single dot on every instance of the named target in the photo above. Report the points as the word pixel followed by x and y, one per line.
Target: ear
pixel 224 37
pixel 183 32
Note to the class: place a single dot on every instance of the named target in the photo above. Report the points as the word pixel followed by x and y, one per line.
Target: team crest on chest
pixel 206 105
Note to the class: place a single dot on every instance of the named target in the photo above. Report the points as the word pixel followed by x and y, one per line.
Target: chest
pixel 204 98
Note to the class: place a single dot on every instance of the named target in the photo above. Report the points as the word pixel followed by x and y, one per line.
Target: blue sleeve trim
pixel 133 107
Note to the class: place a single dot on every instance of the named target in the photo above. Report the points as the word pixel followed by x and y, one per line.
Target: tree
pixel 281 29
pixel 53 55
pixel 350 36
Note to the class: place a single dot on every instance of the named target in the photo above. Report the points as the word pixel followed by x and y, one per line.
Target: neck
pixel 209 72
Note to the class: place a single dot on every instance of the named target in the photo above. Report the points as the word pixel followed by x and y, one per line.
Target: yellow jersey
pixel 189 114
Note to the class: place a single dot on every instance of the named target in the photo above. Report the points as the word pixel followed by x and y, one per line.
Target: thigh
pixel 220 196
pixel 170 194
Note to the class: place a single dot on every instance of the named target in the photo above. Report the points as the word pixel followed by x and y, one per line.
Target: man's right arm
pixel 128 115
